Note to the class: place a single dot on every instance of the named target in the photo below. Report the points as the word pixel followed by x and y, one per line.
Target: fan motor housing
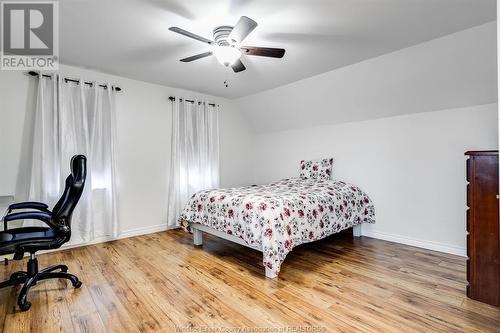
pixel 221 34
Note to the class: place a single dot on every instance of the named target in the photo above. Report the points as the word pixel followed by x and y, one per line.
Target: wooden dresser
pixel 483 227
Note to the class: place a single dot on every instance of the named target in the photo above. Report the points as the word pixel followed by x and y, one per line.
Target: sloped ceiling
pixel 131 37
pixel 454 71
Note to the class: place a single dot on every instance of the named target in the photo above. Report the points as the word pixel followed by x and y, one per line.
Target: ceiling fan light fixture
pixel 226 55
pixel 226 44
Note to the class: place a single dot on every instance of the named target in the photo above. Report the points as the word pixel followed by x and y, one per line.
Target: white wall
pixel 498 67
pixel 412 166
pixel 237 149
pixel 17 100
pixel 143 145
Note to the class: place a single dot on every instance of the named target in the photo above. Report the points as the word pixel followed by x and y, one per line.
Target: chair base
pixel 30 278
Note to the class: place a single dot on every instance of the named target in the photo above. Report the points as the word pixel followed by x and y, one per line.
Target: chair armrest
pixel 29 205
pixel 40 216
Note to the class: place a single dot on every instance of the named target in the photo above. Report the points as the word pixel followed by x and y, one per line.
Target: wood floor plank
pixel 161 283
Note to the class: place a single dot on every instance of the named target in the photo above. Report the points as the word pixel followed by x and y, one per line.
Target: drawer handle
pixel 498 196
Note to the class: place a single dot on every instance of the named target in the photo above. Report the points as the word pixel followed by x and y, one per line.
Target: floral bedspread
pixel 277 217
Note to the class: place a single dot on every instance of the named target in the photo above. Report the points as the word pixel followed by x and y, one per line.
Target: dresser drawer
pixel 467 170
pixel 468 270
pixel 467 221
pixel 469 245
pixel 468 195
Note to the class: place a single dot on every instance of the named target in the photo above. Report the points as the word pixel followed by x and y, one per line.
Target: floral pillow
pixel 316 169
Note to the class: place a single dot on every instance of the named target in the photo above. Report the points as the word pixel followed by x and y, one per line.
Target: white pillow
pixel 316 169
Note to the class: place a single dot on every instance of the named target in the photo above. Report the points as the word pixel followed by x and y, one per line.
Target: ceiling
pixel 130 38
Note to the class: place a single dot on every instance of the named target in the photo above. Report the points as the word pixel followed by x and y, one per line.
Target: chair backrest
pixel 75 182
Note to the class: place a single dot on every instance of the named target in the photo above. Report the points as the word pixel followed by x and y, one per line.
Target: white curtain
pixel 194 153
pixel 76 119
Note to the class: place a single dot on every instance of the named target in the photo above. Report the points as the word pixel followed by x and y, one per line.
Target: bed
pixel 276 217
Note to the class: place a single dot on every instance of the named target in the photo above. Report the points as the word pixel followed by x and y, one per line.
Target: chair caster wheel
pixel 25 307
pixel 23 303
pixel 77 284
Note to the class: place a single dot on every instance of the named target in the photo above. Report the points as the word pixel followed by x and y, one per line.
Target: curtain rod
pixel 172 98
pixel 33 73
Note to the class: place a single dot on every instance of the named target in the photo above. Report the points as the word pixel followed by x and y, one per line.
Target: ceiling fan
pixel 226 45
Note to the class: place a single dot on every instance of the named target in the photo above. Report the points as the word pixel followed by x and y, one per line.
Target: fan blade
pixel 196 57
pixel 263 51
pixel 242 29
pixel 238 66
pixel 190 35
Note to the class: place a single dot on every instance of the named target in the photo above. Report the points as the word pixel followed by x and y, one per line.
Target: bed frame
pixel 199 229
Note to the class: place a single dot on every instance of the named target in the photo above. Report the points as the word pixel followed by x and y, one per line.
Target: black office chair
pixel 33 239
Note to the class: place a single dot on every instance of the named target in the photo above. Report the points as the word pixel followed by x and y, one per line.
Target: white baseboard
pixel 143 231
pixel 425 244
pixel 123 234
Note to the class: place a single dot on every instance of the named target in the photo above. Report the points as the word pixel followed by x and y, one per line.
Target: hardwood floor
pixel 160 283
